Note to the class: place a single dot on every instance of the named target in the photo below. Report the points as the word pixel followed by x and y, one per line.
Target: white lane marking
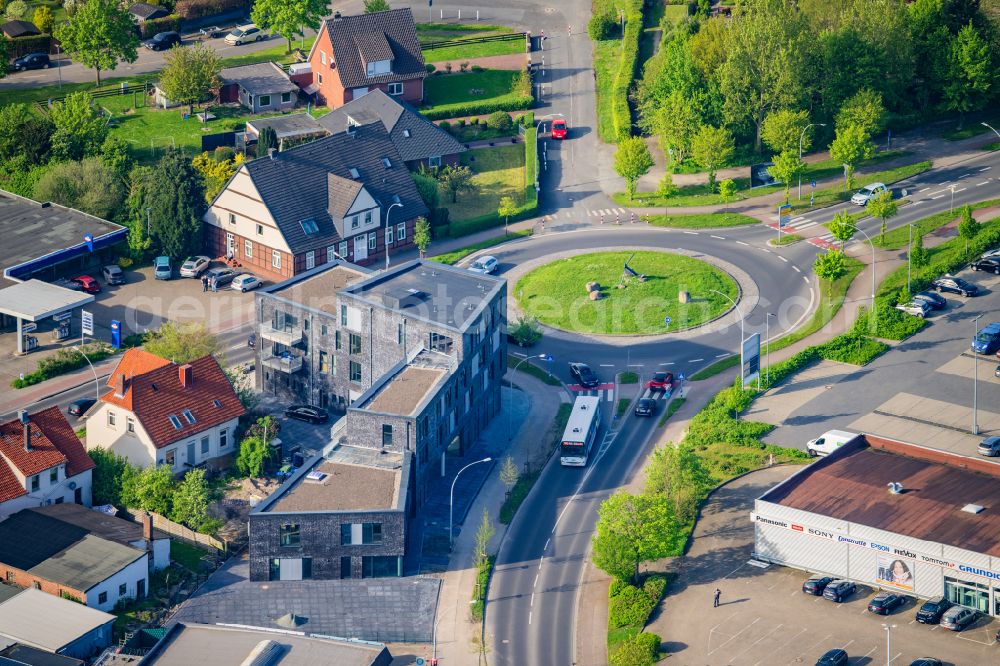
pixel 940 191
pixel 691 233
pixel 919 201
pixel 737 242
pixel 768 658
pixel 721 355
pixel 696 360
pixel 719 237
pixel 670 363
pixel 747 648
pixel 806 226
pixel 531 603
pixel 782 258
pixel 961 190
pixel 529 617
pixel 964 175
pixel 811 648
pixel 535 584
pixel 806 279
pixel 985 168
pixel 766 250
pixel 937 197
pixel 923 190
pixel 547 544
pixel 796 268
pixel 985 182
pixel 870 651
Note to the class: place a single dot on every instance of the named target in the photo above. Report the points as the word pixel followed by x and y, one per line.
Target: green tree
pixel 182 342
pixel 675 121
pixel 666 188
pixel 968 227
pixel 712 148
pixel 288 18
pixel 176 199
pixel 787 166
pixel 882 206
pixel 484 533
pixel 632 161
pixel 851 145
pixel 422 235
pixel 151 489
pixel 830 266
pixel 970 73
pixel 782 130
pixel 191 500
pixel 44 19
pixel 216 172
pixel 255 449
pixel 427 188
pixel 372 6
pixel 24 133
pixel 631 529
pixel 16 10
pixel 727 190
pixel 98 35
pixel 90 186
pixel 507 208
pixel 141 179
pixel 115 155
pixel 4 57
pixel 843 226
pixel 864 110
pixel 79 130
pixel 456 179
pixel 106 484
pixel 678 474
pixel 266 141
pixel 509 474
pixel 525 331
pixel 190 74
pixel 918 253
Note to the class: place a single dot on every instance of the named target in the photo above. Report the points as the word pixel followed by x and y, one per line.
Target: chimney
pixel 336 16
pixel 186 374
pixel 147 529
pixel 22 415
pixel 270 153
pixel 121 385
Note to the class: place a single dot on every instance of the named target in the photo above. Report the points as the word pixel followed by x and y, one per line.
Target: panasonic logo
pixel 777 523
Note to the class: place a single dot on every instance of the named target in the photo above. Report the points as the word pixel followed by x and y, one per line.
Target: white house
pixel 42 462
pixel 161 413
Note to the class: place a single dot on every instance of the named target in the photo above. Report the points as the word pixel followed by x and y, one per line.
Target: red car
pixel 559 128
pixel 661 381
pixel 87 283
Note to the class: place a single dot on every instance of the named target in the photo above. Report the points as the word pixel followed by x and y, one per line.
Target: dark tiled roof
pixel 262 78
pixel 19 29
pixel 53 442
pixel 294 185
pixel 342 192
pixel 396 29
pixel 28 538
pixel 415 137
pixel 146 11
pixel 289 125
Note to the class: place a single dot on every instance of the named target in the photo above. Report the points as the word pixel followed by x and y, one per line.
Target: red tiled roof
pixel 153 396
pixel 53 442
pixel 135 362
pixel 55 426
pixel 10 485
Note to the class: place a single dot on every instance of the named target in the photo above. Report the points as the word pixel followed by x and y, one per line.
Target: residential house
pixel 42 462
pixel 56 626
pixel 345 196
pixel 353 55
pixel 13 29
pixel 143 11
pixel 260 87
pixel 65 560
pixel 160 413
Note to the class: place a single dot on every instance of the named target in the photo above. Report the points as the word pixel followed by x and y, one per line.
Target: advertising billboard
pixel 895 571
pixel 751 359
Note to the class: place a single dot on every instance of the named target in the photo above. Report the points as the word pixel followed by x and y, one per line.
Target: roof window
pixel 354 173
pixel 386 163
pixel 175 422
pixel 309 226
pixel 406 133
pixel 218 405
pixel 188 416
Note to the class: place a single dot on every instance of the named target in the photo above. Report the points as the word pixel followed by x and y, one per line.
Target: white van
pixel 828 442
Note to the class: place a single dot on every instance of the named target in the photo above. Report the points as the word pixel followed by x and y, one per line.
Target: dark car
pixel 834 657
pixel 645 407
pixel 932 610
pixel 936 302
pixel 223 276
pixel 987 340
pixel 112 274
pixel 956 285
pixel 584 375
pixel 991 264
pixel 884 603
pixel 78 407
pixel 661 381
pixel 839 590
pixel 816 585
pixel 162 41
pixel 32 61
pixel 307 413
pixel 926 661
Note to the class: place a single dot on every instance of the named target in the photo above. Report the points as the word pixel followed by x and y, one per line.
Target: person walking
pixel 215 284
pixel 718 595
pixel 204 283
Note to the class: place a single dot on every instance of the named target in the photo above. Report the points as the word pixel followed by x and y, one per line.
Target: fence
pixel 125 88
pixel 179 531
pixel 506 37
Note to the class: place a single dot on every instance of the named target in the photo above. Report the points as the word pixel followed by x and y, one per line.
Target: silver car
pixel 957 618
pixel 867 193
pixel 916 307
pixel 485 264
pixel 193 266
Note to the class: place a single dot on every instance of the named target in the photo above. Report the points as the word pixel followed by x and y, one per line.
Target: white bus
pixel 581 431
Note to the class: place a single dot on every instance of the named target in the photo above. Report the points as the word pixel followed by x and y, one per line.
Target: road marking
pixel 696 360
pixel 766 250
pixel 870 651
pixel 718 237
pixel 964 175
pixel 961 190
pixel 735 635
pixel 940 191
pixel 755 642
pixel 782 646
pixel 799 219
pixel 796 268
pixel 782 258
pixel 919 201
pixel 546 545
pixel 535 584
pixel 670 363
pixel 742 243
pixel 529 617
pixel 531 603
pixel 806 226
pixel 721 355
pixel 937 197
pixel 806 279
pixel 692 233
pixel 923 190
pixel 985 182
pixel 985 168
pixel 811 648
pixel 607 365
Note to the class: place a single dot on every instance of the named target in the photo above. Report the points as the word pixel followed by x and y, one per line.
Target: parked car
pixel 867 193
pixel 996 371
pixel 244 34
pixel 936 301
pixel 839 590
pixel 916 307
pixel 222 276
pixel 987 340
pixel 828 442
pixel 957 618
pixel 991 264
pixel 932 610
pixel 559 129
pixel 816 585
pixel 834 657
pixel 884 603
pixel 162 269
pixel 87 284
pixel 584 375
pixel 193 266
pixel 307 413
pixel 78 407
pixel 661 381
pixel 245 282
pixel 113 274
pixel 926 661
pixel 991 253
pixel 68 284
pixel 645 407
pixel 955 285
pixel 212 32
pixel 485 264
pixel 32 61
pixel 162 41
pixel 989 447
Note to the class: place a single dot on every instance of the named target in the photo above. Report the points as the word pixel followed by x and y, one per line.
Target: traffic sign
pixel 666 320
pixel 813 183
pixel 680 377
pixel 784 214
pixel 87 322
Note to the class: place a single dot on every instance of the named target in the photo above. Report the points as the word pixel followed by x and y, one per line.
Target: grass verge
pixel 897 239
pixel 622 407
pixel 701 220
pixel 453 257
pixel 526 481
pixel 529 368
pixel 482 586
pixel 671 409
pixel 628 377
pixel 784 239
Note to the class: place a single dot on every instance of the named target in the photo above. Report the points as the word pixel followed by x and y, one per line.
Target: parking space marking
pixel 867 654
pixel 798 660
pixel 898 655
pixel 769 657
pixel 733 636
pixel 747 648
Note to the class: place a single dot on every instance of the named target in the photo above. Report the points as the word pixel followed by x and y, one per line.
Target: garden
pixel 592 293
pixel 497 172
pixel 436 33
pixel 475 92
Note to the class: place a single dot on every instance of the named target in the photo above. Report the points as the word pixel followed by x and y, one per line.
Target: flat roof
pixel 443 294
pixel 37 235
pixel 99 524
pixel 8 591
pixel 405 391
pixel 25 655
pixel 35 300
pixel 188 644
pixel 88 562
pixel 48 622
pixel 851 484
pixel 319 291
pixel 291 125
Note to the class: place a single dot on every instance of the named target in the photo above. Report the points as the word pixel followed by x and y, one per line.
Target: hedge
pixel 640 650
pixel 508 102
pixel 149 28
pixel 63 361
pixel 626 70
pixel 629 605
pixel 192 9
pixel 891 324
pixel 482 585
pixel 20 46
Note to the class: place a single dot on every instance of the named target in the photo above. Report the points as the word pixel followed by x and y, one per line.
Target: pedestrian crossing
pixel 606 394
pixel 604 215
pixel 800 224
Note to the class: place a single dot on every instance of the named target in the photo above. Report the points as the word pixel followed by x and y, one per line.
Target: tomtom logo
pixel 979 572
pixel 777 523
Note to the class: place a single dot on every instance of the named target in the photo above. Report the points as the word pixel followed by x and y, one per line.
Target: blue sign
pixel 680 377
pixel 666 320
pixel 116 334
pixel 89 240
pixel 814 183
pixel 784 214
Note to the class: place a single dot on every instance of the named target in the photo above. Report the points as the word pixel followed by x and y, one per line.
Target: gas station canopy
pixel 35 300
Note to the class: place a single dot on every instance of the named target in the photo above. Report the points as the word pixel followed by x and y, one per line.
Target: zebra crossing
pixel 598 214
pixel 605 392
pixel 801 223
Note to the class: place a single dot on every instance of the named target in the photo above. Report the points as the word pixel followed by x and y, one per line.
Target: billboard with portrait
pixel 895 571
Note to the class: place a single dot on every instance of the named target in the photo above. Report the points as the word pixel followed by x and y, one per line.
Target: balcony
pixel 287 338
pixel 287 363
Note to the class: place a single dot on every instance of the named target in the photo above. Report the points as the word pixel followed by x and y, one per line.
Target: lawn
pixel 606 53
pixel 557 295
pixel 499 173
pixel 448 95
pixel 188 556
pixel 897 239
pixel 701 221
pixel 470 51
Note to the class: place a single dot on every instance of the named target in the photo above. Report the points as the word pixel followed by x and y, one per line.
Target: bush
pixel 601 26
pixel 852 348
pixel 891 324
pixel 525 331
pixel 192 9
pixel 149 28
pixel 630 606
pixel 509 102
pixel 500 120
pixel 430 68
pixel 641 650
pixel 64 360
pixel 478 68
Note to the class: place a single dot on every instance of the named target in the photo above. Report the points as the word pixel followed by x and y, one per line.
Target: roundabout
pixel 625 292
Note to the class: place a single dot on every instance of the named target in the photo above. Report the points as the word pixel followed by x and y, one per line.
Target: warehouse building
pixel 891 515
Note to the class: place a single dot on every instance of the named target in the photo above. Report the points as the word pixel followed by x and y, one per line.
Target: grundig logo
pixel 985 573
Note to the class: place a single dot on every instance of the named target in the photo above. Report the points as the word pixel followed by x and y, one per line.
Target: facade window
pixel 170 457
pixel 319 77
pixel 310 259
pixel 322 329
pixel 331 253
pixel 248 249
pixel 336 339
pixel 276 259
pixel 368 217
pixel 130 424
pixel 355 341
pixel 401 232
pixel 355 221
pixel 232 218
pixel 122 589
pixel 286 97
pixel 372 241
pixel 54 476
pixel 388 235
pixel 223 438
pixel 395 88
pixel 111 420
pixel 386 434
pixel 274 569
pixel 355 371
pixel 343 249
pixel 371 533
pixel 322 58
pixel 324 363
pixel 102 598
pixel 360 534
pixel 343 315
pixel 345 534
pixel 434 161
pixel 399 333
pixel 204 446
pixel 260 229
pixel 11 576
pixel 441 343
pixel 36 483
pixel 36 585
pixel 289 535
pixel 264 100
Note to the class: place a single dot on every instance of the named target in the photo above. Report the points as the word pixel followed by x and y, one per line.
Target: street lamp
pixel 888 657
pixel 386 235
pixel 975 377
pixel 97 382
pixel 742 337
pixel 909 251
pixel 865 234
pixel 767 344
pixel 992 128
pixel 451 501
pixel 802 136
pixel 510 382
